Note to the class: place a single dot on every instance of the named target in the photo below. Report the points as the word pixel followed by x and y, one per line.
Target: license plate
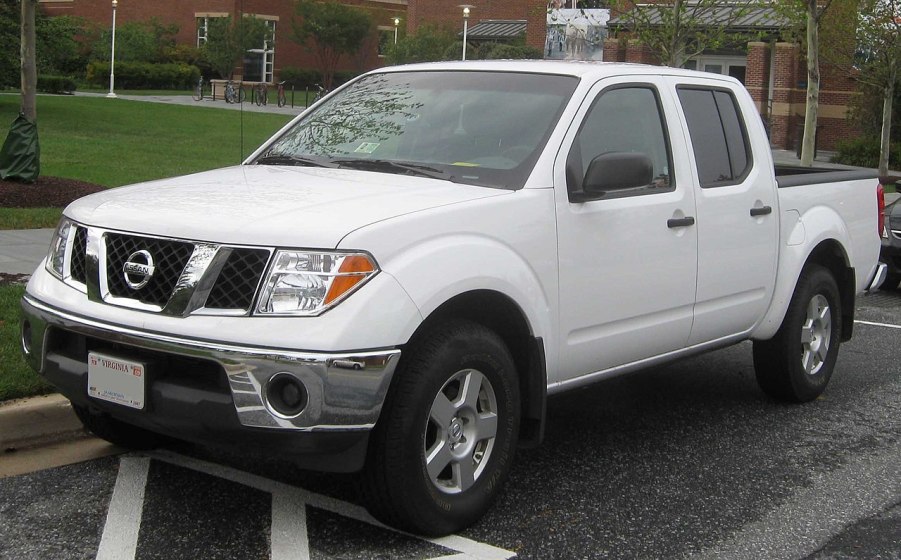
pixel 116 380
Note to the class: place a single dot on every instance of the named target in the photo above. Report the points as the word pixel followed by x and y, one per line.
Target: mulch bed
pixel 46 192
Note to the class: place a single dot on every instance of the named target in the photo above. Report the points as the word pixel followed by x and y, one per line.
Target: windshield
pixel 473 127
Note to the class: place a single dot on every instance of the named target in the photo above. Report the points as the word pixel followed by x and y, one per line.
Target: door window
pixel 623 119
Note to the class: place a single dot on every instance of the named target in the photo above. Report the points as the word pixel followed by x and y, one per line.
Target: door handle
pixel 762 211
pixel 680 222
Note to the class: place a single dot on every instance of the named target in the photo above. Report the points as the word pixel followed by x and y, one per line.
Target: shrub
pixel 864 152
pixel 55 84
pixel 499 51
pixel 144 75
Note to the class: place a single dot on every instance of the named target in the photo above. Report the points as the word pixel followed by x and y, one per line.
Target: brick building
pixel 449 13
pixel 775 74
pixel 264 63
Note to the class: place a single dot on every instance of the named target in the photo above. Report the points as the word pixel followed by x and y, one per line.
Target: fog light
pixel 286 395
pixel 26 337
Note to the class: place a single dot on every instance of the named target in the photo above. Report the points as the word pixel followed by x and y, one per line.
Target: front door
pixel 628 261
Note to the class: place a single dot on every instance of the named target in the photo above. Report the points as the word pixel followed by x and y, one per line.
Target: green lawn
pixel 116 142
pixel 16 378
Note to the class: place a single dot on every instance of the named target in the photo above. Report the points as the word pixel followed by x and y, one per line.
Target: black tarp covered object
pixel 20 157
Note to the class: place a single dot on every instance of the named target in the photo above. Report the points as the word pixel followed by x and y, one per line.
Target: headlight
pixel 308 283
pixel 57 256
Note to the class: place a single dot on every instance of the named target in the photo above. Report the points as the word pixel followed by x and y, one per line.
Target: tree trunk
pixel 676 48
pixel 885 143
pixel 808 144
pixel 29 66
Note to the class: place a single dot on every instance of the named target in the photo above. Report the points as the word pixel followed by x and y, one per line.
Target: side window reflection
pixel 623 121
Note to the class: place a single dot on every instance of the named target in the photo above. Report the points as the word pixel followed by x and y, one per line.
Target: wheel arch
pixel 498 312
pixel 829 253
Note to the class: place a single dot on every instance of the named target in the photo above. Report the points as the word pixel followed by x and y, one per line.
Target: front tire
pixel 445 441
pixel 797 363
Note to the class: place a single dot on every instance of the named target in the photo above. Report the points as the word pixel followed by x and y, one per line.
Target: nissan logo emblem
pixel 138 269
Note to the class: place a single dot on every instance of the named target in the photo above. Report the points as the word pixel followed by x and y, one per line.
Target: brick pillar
pixel 639 53
pixel 536 24
pixel 757 75
pixel 785 82
pixel 614 50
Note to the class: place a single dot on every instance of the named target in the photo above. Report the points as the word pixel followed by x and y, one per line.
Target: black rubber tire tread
pixel 117 432
pixel 395 485
pixel 777 362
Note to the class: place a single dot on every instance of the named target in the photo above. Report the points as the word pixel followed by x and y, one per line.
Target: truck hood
pixel 268 205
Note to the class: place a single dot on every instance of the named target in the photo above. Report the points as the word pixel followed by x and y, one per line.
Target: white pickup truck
pixel 399 278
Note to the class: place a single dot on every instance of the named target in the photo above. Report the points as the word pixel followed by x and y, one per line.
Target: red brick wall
pixel 182 13
pixel 448 13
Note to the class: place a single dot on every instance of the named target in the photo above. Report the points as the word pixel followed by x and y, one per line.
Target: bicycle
pixel 261 94
pixel 319 94
pixel 198 90
pixel 281 98
pixel 234 93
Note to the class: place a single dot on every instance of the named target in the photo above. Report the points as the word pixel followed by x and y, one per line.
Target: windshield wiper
pixel 284 159
pixel 400 167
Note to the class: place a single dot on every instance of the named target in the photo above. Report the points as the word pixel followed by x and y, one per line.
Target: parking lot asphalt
pixel 689 460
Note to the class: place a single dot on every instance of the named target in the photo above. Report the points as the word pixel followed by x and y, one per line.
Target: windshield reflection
pixel 475 127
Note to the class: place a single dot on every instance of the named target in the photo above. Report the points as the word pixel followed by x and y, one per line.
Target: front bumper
pixel 206 391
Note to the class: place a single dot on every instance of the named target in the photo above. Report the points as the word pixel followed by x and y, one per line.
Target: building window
pixel 203 25
pixel 259 64
pixel 734 66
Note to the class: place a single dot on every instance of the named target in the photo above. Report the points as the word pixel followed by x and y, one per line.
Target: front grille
pixel 238 280
pixel 79 249
pixel 169 260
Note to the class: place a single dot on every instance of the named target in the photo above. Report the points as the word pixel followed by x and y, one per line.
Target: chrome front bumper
pixel 345 390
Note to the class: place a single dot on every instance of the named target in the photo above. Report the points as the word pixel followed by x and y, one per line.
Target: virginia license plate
pixel 116 380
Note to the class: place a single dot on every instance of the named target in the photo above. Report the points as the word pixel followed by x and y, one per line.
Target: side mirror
pixel 615 171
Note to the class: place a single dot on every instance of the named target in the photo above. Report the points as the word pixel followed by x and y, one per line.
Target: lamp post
pixel 396 23
pixel 112 59
pixel 465 26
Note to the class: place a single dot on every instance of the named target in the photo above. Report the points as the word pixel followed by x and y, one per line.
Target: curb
pixel 37 421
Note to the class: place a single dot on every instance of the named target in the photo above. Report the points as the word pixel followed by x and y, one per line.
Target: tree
pixel 333 29
pixel 879 47
pixel 228 40
pixel 20 154
pixel 137 41
pixel 428 44
pixel 679 30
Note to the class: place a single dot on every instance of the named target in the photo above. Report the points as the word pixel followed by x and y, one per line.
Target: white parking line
pixel 289 527
pixel 886 325
pixel 293 502
pixel 123 519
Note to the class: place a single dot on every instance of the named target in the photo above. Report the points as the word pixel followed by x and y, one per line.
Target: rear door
pixel 737 212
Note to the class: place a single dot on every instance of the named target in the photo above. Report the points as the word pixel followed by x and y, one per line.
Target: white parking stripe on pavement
pixel 300 498
pixel 886 325
pixel 123 518
pixel 289 527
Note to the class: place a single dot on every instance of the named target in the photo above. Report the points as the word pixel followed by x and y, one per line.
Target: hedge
pixel 864 152
pixel 144 75
pixel 55 84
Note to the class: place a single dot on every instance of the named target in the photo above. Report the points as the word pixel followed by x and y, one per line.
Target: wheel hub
pixel 455 431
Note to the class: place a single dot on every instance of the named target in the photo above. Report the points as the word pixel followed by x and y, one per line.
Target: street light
pixel 396 23
pixel 112 58
pixel 466 8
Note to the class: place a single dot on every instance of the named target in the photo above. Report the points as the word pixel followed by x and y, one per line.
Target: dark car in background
pixel 890 253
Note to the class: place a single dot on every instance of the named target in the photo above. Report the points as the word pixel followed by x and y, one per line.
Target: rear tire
pixel 444 443
pixel 796 364
pixel 116 432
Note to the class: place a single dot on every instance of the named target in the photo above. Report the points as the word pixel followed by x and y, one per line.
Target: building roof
pixel 738 16
pixel 488 29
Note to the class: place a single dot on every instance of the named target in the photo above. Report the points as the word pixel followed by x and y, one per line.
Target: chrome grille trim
pixel 192 287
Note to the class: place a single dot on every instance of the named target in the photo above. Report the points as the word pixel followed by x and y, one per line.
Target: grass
pixel 16 378
pixel 114 142
pixel 29 218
